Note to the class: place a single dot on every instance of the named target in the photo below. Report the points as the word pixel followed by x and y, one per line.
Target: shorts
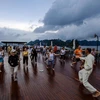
pixel 1 60
pixel 14 69
pixel 50 62
pixel 62 57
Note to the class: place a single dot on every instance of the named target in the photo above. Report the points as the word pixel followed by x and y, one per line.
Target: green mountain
pixel 68 43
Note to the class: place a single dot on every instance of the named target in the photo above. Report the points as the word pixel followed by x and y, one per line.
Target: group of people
pixel 86 67
pixel 49 56
pixel 80 53
pixel 14 58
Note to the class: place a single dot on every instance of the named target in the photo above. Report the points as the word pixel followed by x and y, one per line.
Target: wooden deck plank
pixel 45 85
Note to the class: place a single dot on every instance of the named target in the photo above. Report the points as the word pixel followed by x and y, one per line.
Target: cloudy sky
pixel 26 20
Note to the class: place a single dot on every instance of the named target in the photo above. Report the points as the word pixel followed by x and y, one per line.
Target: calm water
pixel 84 47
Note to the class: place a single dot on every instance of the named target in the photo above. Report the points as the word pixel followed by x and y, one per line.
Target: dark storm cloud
pixel 67 12
pixel 84 31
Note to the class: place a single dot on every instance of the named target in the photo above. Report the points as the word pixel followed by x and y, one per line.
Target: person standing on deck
pixel 94 53
pixel 62 53
pixel 18 53
pixel 9 50
pixel 44 50
pixel 34 55
pixel 25 58
pixel 51 59
pixel 13 60
pixel 86 71
pixel 1 58
pixel 55 49
pixel 77 53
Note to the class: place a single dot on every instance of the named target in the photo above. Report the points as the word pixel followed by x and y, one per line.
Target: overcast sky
pixel 26 20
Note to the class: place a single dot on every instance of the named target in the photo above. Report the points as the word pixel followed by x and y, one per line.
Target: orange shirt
pixel 78 52
pixel 55 48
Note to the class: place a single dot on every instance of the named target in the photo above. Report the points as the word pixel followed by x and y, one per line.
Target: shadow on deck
pixel 42 84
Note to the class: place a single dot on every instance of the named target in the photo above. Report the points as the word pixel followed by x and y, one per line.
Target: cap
pixel 13 50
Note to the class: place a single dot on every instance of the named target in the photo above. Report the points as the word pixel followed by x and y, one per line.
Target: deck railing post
pixel 97 55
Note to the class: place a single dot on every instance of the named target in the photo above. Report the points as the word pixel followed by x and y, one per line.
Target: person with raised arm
pixel 86 71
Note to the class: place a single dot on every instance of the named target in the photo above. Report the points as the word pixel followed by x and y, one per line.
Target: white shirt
pixel 62 52
pixel 44 49
pixel 89 61
pixel 51 56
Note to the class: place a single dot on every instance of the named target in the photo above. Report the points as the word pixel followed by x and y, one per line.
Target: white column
pixel 51 43
pixel 40 44
pixel 74 44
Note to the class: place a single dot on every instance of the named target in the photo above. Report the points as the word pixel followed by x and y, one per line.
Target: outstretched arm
pixel 56 54
pixel 82 58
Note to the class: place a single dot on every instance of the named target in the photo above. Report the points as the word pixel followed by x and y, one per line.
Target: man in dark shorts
pixel 77 54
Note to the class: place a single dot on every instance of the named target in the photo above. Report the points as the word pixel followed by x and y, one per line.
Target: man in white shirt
pixel 62 53
pixel 86 71
pixel 44 50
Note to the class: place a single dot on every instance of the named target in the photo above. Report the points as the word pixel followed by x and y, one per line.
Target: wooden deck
pixel 46 85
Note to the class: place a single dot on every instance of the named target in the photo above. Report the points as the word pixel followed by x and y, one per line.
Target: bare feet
pixel 96 94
